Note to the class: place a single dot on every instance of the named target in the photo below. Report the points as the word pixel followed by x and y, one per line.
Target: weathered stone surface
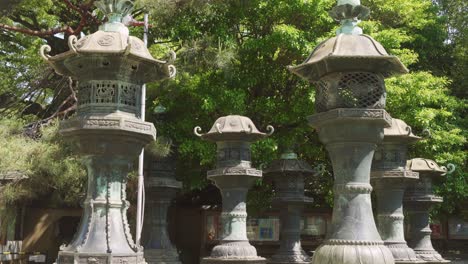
pixel 161 188
pixel 110 67
pixel 350 139
pixel 390 177
pixel 233 176
pixel 418 199
pixel 287 174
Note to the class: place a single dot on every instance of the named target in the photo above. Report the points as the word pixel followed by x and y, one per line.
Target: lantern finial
pixel 349 13
pixel 115 10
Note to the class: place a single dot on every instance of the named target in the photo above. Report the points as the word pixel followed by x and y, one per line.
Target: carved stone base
pixel 87 258
pixel 402 253
pixel 352 254
pixel 430 256
pixel 162 256
pixel 292 257
pixel 250 260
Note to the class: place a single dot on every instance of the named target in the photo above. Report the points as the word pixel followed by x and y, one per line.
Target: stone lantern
pixel 390 177
pixel 161 188
pixel 288 175
pixel 110 67
pixel 233 176
pixel 348 72
pixel 418 199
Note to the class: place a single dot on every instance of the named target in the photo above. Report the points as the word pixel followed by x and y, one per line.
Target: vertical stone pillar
pixel 233 176
pixel 110 67
pixel 418 199
pixel 390 176
pixel 288 175
pixel 348 72
pixel 350 136
pixel 161 188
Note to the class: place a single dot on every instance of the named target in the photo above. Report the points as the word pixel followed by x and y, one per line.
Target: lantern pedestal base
pixel 402 253
pixel 430 256
pixel 162 256
pixel 71 258
pixel 291 258
pixel 234 252
pixel 352 253
pixel 211 260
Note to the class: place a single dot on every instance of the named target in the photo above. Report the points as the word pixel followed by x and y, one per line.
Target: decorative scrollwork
pixel 270 130
pixel 172 71
pixel 72 40
pixel 449 169
pixel 409 130
pixel 197 131
pixel 44 51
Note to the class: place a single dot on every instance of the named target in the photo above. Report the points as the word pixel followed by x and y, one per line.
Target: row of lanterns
pixel 360 136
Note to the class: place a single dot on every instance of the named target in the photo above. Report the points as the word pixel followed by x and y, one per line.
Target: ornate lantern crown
pixel 348 70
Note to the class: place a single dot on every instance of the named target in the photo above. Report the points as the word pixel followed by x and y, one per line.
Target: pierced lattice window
pixel 350 90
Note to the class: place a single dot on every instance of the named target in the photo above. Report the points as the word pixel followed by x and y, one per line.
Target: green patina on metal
pixel 419 199
pixel 233 176
pixel 288 174
pixel 390 176
pixel 349 13
pixel 348 72
pixel 110 67
pixel 161 188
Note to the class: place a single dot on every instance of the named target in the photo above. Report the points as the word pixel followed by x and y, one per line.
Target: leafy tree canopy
pixel 232 58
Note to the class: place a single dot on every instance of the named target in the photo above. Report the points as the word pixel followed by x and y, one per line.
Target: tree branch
pixel 38 33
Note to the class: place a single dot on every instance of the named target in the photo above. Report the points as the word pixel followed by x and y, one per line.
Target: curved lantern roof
pixel 110 52
pixel 288 164
pixel 233 128
pixel 350 50
pixel 426 165
pixel 399 131
pixel 345 53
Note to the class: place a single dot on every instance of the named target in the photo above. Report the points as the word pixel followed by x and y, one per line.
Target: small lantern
pixel 418 199
pixel 390 177
pixel 161 188
pixel 288 174
pixel 234 176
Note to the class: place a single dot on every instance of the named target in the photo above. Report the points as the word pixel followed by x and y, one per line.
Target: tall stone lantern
pixel 390 177
pixel 418 199
pixel 234 176
pixel 161 188
pixel 110 67
pixel 348 72
pixel 288 175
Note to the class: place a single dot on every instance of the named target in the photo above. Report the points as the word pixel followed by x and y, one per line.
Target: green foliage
pixel 232 58
pixel 423 101
pixel 54 175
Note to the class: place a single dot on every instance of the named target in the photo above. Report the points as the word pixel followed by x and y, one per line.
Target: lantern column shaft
pixel 350 137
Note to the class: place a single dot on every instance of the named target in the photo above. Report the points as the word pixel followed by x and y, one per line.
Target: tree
pixel 233 57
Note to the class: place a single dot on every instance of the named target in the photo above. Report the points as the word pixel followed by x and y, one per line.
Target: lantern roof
pixel 345 53
pixel 350 50
pixel 289 164
pixel 400 131
pixel 112 46
pixel 427 166
pixel 233 128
